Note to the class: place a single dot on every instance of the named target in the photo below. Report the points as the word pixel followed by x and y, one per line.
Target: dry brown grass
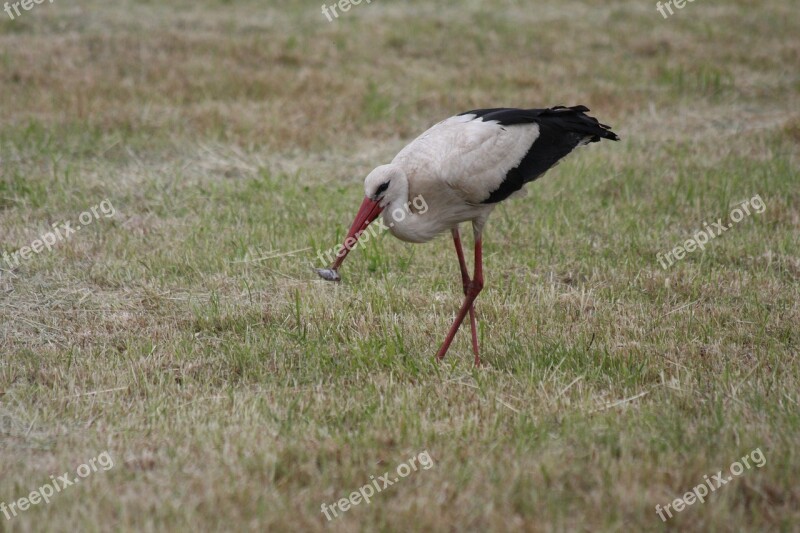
pixel 236 392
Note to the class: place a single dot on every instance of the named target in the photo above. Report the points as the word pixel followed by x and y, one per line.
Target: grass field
pixel 184 335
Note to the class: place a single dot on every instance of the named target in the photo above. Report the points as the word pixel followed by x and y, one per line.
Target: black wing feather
pixel 561 130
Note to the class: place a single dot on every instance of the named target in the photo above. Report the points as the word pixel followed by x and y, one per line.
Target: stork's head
pixel 382 187
pixel 385 184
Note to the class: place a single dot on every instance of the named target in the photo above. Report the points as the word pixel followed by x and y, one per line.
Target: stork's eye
pixel 382 187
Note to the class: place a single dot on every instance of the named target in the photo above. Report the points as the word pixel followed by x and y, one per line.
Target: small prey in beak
pixel 328 274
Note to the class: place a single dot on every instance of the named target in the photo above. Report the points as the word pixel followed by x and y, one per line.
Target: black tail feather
pixel 575 120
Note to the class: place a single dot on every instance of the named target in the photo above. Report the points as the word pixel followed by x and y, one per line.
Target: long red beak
pixel 368 212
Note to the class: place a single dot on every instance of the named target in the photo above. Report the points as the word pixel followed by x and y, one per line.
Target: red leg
pixel 462 263
pixel 474 288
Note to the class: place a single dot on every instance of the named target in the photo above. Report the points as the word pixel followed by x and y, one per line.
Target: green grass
pixel 189 337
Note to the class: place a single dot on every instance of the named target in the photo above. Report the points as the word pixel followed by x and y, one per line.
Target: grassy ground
pixel 187 336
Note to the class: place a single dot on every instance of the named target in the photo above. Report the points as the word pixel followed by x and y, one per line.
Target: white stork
pixel 463 167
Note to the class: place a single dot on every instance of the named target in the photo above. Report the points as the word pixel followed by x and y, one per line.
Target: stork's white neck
pixel 406 219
